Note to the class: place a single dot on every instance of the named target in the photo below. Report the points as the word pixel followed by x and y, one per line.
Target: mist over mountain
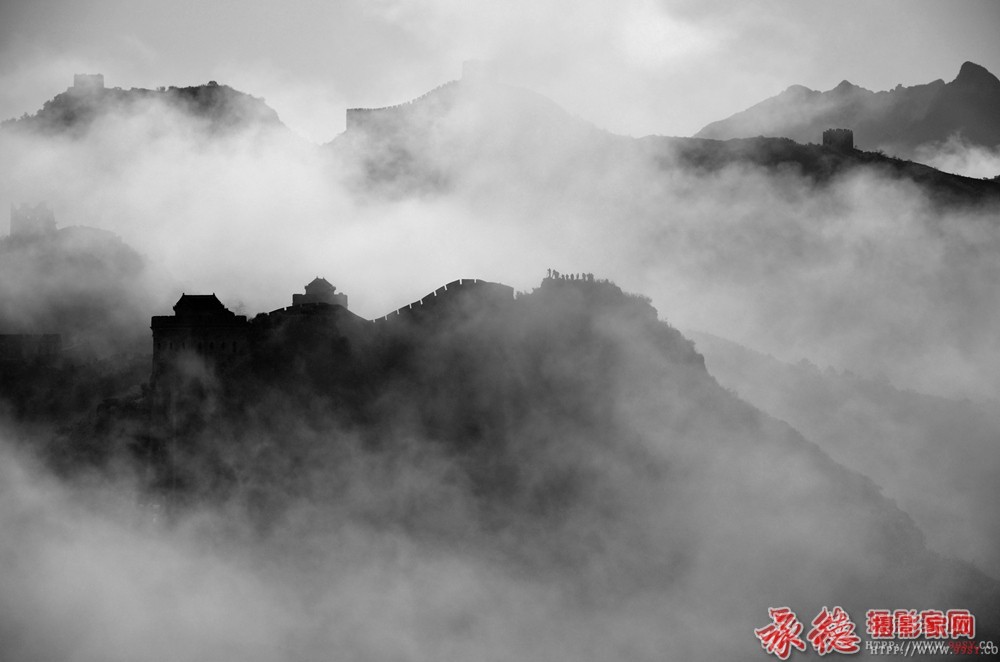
pixel 698 205
pixel 74 308
pixel 693 222
pixel 562 451
pixel 431 142
pixel 934 456
pixel 83 283
pixel 548 474
pixel 434 141
pixel 905 121
pixel 822 166
pixel 214 108
pixel 465 126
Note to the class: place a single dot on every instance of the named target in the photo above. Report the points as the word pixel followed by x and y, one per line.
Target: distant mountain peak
pixel 974 75
pixel 898 122
pixel 798 90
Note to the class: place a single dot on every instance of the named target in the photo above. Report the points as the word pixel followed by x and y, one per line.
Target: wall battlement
pixel 362 118
pixel 498 291
pixel 203 332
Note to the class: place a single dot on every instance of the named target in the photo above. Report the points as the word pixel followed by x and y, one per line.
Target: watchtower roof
pixel 198 304
pixel 319 285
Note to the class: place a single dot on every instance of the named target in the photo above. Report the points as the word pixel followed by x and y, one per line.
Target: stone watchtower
pixel 839 139
pixel 87 83
pixel 199 341
pixel 320 291
pixel 200 326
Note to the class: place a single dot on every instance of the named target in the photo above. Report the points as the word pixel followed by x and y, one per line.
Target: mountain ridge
pixel 580 439
pixel 419 144
pixel 425 143
pixel 221 108
pixel 897 120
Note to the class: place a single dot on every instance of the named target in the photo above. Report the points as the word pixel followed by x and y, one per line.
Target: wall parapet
pixel 358 117
pixel 455 286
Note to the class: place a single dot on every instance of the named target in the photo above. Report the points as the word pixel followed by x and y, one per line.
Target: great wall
pixel 474 73
pixel 360 118
pixel 204 337
pixel 493 290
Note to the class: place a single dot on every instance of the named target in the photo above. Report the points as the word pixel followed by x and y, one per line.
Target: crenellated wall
pixel 493 290
pixel 203 331
pixel 366 118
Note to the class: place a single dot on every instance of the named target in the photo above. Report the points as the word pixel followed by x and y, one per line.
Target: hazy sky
pixel 634 66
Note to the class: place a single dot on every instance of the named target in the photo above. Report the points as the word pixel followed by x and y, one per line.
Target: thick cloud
pixel 957 156
pixel 865 272
pixel 554 476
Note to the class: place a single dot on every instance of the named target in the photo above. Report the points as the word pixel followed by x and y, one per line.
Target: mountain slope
pixel 564 438
pixel 488 134
pixel 936 457
pixel 83 283
pixel 480 132
pixel 457 129
pixel 818 165
pixel 897 121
